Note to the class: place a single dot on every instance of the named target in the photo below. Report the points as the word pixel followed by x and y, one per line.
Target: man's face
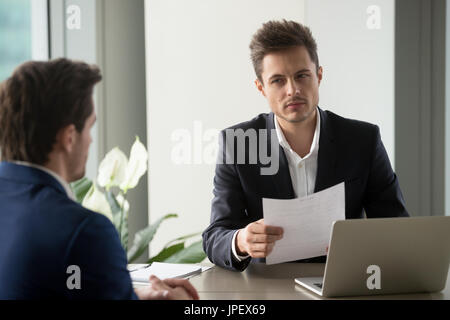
pixel 291 84
pixel 81 149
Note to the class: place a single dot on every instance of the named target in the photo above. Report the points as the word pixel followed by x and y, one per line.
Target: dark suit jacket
pixel 349 151
pixel 43 232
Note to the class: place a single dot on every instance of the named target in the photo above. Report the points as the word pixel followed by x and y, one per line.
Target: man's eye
pixel 276 81
pixel 302 75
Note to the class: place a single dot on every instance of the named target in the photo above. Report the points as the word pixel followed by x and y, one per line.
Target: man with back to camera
pixel 317 149
pixel 46 114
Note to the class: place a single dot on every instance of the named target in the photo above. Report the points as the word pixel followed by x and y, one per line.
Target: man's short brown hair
pixel 38 100
pixel 280 35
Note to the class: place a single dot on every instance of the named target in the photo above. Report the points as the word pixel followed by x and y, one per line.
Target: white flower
pixel 112 169
pixel 137 166
pixel 96 201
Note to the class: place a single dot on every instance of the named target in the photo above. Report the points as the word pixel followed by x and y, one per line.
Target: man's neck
pixel 58 168
pixel 299 135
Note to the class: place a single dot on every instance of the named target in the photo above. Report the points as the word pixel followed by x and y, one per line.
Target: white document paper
pixel 306 223
pixel 164 271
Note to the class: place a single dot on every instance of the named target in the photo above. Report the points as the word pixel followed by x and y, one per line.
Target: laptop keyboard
pixel 318 285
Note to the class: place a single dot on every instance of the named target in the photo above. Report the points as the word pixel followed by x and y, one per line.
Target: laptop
pixel 384 256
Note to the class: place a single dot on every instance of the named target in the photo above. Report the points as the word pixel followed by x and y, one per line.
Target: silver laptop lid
pixel 387 256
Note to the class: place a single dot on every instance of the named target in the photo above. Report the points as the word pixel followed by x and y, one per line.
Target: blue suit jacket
pixel 350 151
pixel 43 232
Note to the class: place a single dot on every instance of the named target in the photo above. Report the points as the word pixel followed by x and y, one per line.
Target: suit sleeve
pixel 228 214
pixel 383 196
pixel 97 251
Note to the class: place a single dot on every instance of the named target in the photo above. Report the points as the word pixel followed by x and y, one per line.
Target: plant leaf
pixel 124 229
pixel 192 254
pixel 167 252
pixel 116 222
pixel 80 188
pixel 144 237
pixel 119 216
pixel 182 238
pixel 115 206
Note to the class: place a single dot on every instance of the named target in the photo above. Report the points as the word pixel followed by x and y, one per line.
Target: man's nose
pixel 293 88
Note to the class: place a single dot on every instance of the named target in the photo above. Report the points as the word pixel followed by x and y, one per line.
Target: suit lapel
pixel 282 179
pixel 326 166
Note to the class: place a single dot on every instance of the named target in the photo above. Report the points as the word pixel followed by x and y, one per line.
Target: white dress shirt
pixel 303 171
pixel 61 181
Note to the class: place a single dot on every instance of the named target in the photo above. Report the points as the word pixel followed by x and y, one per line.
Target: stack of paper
pixel 164 271
pixel 307 223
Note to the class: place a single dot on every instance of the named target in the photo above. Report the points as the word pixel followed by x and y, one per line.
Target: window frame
pixel 39 30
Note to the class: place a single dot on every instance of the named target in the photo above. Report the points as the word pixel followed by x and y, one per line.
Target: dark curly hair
pixel 38 100
pixel 279 35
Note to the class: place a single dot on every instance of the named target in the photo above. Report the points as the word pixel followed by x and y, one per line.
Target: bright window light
pixel 23 33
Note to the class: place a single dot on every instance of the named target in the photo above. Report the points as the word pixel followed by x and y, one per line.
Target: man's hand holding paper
pixel 306 223
pixel 257 239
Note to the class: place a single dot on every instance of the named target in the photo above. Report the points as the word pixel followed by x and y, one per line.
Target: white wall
pixel 200 77
pixel 358 62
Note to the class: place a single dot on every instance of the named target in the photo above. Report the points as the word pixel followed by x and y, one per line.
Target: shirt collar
pixel 58 178
pixel 283 142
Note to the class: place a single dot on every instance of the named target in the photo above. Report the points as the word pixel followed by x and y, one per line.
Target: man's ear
pixel 66 138
pixel 320 74
pixel 260 87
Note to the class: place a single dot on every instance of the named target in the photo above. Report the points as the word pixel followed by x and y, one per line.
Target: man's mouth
pixel 295 104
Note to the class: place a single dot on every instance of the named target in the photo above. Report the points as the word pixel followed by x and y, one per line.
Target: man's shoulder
pixel 45 207
pixel 348 122
pixel 340 124
pixel 59 201
pixel 258 122
pixel 349 127
pixel 74 214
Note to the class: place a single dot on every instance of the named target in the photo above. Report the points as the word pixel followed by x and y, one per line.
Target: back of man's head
pixel 38 100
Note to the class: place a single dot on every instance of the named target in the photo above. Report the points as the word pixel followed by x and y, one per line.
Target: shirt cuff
pixel 233 249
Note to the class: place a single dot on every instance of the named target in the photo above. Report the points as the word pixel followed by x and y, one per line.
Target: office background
pixel 176 72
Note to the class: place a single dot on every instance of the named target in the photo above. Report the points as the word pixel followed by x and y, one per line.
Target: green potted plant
pixel 116 176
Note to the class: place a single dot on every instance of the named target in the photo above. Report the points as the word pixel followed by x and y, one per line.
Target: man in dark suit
pixel 50 246
pixel 311 150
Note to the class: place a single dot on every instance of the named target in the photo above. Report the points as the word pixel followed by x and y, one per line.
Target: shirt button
pixel 300 165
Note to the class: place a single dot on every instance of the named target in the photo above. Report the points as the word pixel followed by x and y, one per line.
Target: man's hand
pixel 257 239
pixel 167 289
pixel 185 284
